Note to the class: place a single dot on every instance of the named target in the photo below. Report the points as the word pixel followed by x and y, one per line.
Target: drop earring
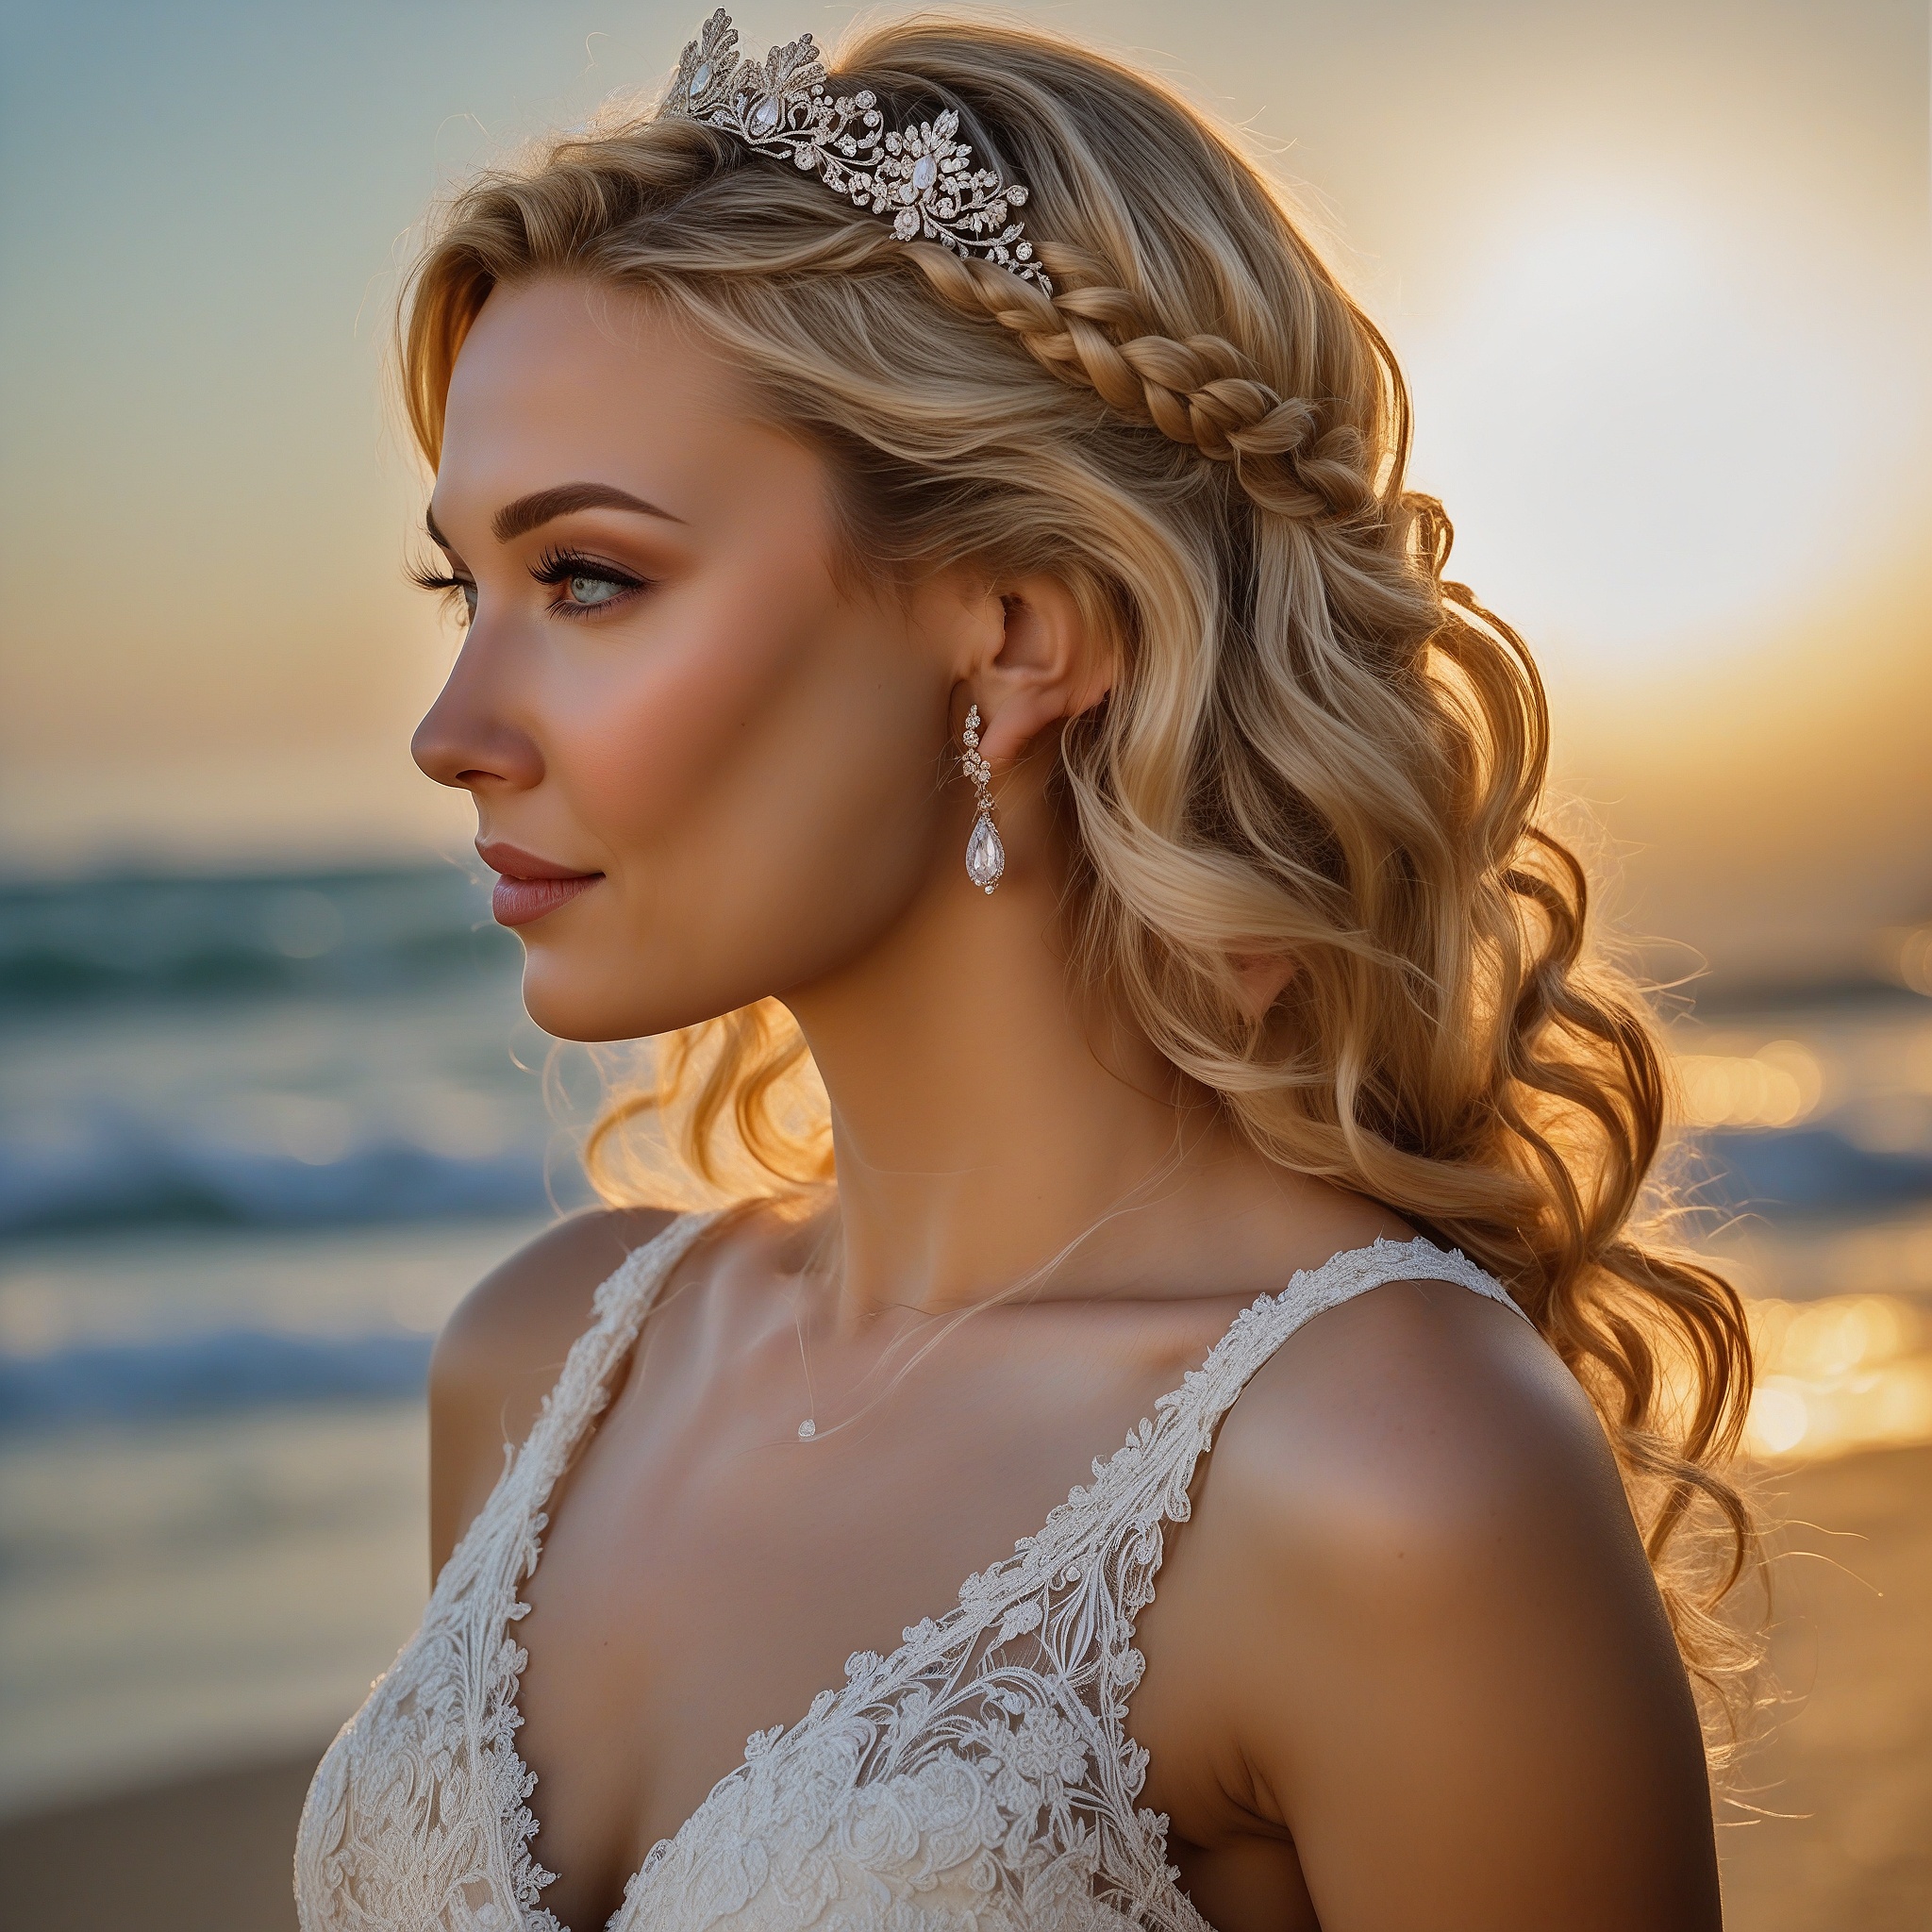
pixel 986 858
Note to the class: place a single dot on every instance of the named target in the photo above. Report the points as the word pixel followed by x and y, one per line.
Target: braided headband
pixel 921 175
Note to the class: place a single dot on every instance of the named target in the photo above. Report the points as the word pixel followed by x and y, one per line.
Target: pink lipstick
pixel 527 887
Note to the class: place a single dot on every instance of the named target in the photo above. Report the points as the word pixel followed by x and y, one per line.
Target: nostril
pixel 462 742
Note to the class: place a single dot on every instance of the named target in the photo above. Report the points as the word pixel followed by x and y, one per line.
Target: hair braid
pixel 1199 390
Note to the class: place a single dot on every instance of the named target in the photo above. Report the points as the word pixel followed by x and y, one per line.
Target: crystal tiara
pixel 921 177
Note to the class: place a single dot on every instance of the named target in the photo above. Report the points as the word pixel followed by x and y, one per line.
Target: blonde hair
pixel 1317 747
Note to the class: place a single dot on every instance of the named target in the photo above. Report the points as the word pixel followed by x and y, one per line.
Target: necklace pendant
pixel 808 1429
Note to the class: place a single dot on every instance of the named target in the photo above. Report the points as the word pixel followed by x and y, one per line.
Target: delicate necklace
pixel 809 1427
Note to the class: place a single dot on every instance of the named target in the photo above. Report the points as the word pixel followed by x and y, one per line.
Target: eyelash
pixel 555 567
pixel 451 590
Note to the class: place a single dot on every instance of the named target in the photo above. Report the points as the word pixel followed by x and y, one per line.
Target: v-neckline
pixel 510 1606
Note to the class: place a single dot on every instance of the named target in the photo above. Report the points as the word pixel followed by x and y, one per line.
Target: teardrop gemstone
pixel 986 858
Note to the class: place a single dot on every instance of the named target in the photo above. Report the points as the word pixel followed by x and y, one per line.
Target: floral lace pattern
pixel 979 1779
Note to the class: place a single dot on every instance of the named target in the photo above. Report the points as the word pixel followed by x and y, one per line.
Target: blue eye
pixel 592 591
pixel 588 583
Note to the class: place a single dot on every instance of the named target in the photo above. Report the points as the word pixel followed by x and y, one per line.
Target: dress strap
pixel 582 1391
pixel 1209 1392
pixel 1070 1596
pixel 1112 1528
pixel 1116 1527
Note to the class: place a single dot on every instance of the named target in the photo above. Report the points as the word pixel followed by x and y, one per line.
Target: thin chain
pixel 809 1427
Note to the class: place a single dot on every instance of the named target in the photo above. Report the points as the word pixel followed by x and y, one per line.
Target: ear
pixel 1264 978
pixel 1038 662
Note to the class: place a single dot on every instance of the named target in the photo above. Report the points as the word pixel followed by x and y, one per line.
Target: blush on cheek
pixel 642 744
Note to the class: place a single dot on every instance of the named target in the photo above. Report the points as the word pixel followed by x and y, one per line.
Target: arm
pixel 501 1352
pixel 1439 1666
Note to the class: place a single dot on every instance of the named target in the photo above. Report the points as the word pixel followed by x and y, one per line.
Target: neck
pixel 986 1115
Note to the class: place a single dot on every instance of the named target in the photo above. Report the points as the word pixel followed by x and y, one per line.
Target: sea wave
pixel 65 941
pixel 126 1173
pixel 205 1373
pixel 1812 1170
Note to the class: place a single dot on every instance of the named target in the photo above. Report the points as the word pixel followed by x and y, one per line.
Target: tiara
pixel 923 176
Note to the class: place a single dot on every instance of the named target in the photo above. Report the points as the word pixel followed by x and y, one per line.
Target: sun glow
pixel 1650 428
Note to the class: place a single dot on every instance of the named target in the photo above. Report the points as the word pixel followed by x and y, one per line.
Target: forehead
pixel 563 381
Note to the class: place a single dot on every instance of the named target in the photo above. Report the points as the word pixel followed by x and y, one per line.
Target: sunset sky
pixel 1659 274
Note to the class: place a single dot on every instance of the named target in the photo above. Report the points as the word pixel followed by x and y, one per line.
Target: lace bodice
pixel 978 1779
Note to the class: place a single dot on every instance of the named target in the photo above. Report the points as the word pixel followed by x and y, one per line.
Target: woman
pixel 952 626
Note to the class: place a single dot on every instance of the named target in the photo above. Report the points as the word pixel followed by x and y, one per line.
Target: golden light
pixel 1778 1085
pixel 1849 1372
pixel 1914 960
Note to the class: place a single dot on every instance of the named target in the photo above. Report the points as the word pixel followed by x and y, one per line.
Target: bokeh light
pixel 1778 1085
pixel 1848 1372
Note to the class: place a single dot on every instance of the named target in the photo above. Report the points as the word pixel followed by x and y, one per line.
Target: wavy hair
pixel 1318 747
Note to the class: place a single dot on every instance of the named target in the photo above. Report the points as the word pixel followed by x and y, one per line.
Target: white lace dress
pixel 979 1779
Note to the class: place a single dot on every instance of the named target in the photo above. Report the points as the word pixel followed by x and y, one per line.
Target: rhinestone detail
pixel 923 176
pixel 986 858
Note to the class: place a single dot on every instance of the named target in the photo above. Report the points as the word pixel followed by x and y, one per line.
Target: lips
pixel 529 887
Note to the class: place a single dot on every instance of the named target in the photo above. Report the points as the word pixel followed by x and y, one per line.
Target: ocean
pixel 257 1137
pixel 258 1134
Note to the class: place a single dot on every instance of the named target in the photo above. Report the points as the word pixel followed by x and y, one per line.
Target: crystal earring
pixel 986 858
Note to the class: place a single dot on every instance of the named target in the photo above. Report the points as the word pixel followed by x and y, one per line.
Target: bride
pixel 945 620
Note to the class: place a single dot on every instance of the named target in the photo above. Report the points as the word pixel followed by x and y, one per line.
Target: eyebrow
pixel 541 506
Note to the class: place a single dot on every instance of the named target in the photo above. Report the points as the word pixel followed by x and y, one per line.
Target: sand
pixel 1847 1767
pixel 1847 1771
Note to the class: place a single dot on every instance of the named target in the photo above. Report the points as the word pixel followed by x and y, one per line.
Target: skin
pixel 1406 1666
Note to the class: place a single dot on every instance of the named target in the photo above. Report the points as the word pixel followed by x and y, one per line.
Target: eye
pixel 590 591
pixel 587 583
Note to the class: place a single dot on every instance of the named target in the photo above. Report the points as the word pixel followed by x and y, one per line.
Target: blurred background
pixel 1659 274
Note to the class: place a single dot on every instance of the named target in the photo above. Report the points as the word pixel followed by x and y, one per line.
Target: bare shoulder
pixel 1418 1414
pixel 1412 1593
pixel 500 1353
pixel 526 1311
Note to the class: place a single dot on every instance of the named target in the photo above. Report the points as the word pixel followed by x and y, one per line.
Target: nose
pixel 467 740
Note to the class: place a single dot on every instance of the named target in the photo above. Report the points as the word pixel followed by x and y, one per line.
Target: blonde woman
pixel 951 626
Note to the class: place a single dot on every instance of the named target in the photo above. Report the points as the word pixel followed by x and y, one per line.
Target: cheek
pixel 643 718
pixel 763 806
pixel 748 737
pixel 636 741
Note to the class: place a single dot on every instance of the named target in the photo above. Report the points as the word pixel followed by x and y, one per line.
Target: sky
pixel 1659 273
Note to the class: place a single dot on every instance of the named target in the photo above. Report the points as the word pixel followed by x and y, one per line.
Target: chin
pixel 570 1004
pixel 573 1011
pixel 596 1001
